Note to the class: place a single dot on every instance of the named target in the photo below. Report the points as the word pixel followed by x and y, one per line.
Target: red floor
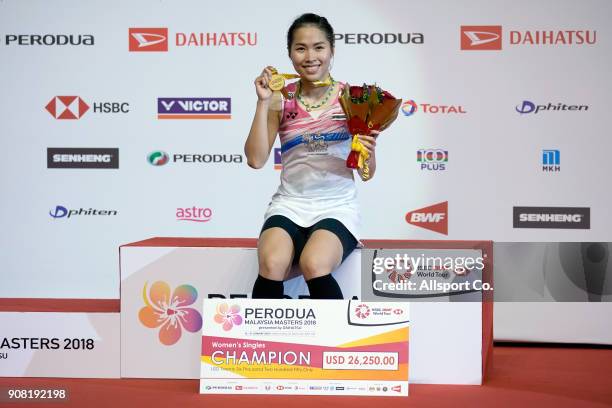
pixel 520 377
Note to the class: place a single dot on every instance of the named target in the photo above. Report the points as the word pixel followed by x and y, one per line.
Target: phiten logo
pixel 170 313
pixel 158 158
pixel 194 108
pixel 481 37
pixel 228 316
pixel 62 212
pixel 434 217
pixel 530 107
pixel 148 39
pixel 67 107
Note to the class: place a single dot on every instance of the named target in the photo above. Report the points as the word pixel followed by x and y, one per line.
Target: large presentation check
pixel 317 347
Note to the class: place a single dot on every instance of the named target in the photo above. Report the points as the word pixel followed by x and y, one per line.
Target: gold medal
pixel 277 82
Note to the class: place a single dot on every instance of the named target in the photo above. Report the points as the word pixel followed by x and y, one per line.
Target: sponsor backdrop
pixel 121 125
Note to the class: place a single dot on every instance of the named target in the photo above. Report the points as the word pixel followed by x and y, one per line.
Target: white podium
pixel 450 342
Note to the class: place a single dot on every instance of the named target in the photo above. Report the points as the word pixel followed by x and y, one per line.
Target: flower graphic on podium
pixel 228 316
pixel 170 313
pixel 362 311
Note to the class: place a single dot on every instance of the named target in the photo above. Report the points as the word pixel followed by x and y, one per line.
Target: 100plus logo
pixel 158 39
pixel 432 159
pixel 74 107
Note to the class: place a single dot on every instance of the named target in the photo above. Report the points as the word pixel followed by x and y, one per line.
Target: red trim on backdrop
pixel 60 305
pixel 195 242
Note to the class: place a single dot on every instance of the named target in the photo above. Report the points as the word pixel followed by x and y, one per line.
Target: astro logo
pixel 228 316
pixel 158 158
pixel 170 313
pixel 409 107
pixel 362 311
pixel 67 107
pixel 148 39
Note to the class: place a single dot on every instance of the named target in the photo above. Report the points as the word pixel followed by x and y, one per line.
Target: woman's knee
pixel 313 266
pixel 273 266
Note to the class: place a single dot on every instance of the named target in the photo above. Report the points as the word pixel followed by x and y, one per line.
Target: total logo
pixel 530 107
pixel 410 107
pixel 161 158
pixel 157 39
pixel 194 214
pixel 433 218
pixel 74 107
pixel 432 159
pixel 489 37
pixel 194 108
pixel 62 212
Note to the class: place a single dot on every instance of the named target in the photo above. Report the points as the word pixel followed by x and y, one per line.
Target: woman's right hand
pixel 261 84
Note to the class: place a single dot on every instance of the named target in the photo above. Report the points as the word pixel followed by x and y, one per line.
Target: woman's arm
pixel 265 124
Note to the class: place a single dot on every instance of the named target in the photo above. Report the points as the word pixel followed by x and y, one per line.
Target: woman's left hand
pixel 369 142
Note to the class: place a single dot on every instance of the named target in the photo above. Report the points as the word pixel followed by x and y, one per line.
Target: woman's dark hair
pixel 310 19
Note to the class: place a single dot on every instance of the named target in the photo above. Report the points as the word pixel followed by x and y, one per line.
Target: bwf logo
pixel 148 39
pixel 433 218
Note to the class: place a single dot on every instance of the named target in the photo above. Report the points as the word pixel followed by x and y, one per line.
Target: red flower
pixel 356 92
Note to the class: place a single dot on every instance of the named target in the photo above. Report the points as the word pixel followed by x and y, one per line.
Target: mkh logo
pixel 433 218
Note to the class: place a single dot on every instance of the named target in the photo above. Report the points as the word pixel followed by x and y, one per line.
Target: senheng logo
pixel 552 217
pixel 530 107
pixel 82 158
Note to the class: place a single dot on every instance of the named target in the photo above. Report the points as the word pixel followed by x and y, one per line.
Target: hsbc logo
pixel 433 218
pixel 74 107
pixel 67 107
pixel 148 39
pixel 481 38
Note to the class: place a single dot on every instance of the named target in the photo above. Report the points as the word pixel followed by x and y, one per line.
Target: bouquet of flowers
pixel 367 108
